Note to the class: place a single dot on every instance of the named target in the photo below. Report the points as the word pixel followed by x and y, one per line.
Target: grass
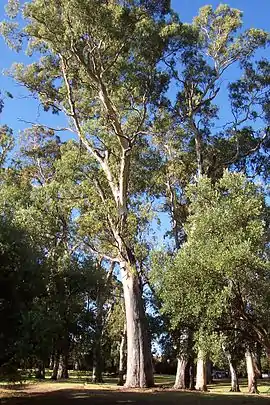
pixel 76 391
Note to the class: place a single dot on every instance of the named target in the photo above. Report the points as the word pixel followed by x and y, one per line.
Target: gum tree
pixel 97 62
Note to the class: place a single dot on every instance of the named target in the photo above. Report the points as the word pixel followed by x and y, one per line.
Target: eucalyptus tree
pixel 98 63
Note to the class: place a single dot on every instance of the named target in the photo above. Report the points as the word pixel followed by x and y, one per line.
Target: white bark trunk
pixel 234 378
pixel 252 381
pixel 233 372
pixel 180 380
pixel 139 359
pixel 201 383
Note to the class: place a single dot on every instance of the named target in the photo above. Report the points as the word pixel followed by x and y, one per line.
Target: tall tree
pixel 99 65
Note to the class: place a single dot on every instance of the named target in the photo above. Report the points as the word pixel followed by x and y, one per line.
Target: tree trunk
pixel 180 378
pixel 64 373
pixel 257 361
pixel 97 364
pixel 191 375
pixel 122 358
pixel 234 378
pixel 252 381
pixel 139 359
pixel 209 368
pixel 58 367
pixel 233 372
pixel 51 364
pixel 40 372
pixel 201 384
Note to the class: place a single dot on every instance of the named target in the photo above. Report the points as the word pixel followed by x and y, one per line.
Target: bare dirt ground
pixel 79 394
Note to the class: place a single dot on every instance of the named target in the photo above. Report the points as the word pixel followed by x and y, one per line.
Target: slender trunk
pixel 64 374
pixel 257 361
pixel 97 355
pixel 233 372
pixel 97 363
pixel 55 366
pixel 201 383
pixel 252 381
pixel 198 146
pixel 60 368
pixel 180 378
pixel 209 367
pixel 139 359
pixel 191 375
pixel 51 364
pixel 122 358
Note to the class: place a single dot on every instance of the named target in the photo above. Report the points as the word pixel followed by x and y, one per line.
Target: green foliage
pixel 216 275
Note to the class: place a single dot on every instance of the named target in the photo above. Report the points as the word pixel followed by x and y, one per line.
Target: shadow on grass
pixel 101 396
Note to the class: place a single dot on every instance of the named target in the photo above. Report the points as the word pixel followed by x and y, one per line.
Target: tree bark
pixel 180 378
pixel 233 372
pixel 234 378
pixel 209 367
pixel 64 373
pixel 121 370
pixel 257 361
pixel 201 383
pixel 139 359
pixel 252 381
pixel 51 364
pixel 58 367
pixel 191 375
pixel 40 372
pixel 97 362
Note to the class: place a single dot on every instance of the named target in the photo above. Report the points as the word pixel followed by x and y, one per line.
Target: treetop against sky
pixel 255 14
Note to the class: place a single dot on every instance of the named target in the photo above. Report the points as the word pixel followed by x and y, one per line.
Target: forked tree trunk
pixel 201 383
pixel 252 381
pixel 121 370
pixel 139 359
pixel 180 378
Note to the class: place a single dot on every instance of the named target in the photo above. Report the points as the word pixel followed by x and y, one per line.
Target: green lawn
pixel 77 391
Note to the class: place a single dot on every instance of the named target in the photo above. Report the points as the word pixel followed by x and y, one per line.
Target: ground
pixel 77 392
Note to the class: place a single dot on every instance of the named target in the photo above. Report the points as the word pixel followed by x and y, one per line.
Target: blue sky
pixel 256 14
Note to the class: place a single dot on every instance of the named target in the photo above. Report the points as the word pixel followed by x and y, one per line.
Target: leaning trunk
pixel 233 372
pixel 122 358
pixel 201 384
pixel 252 381
pixel 139 360
pixel 180 378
